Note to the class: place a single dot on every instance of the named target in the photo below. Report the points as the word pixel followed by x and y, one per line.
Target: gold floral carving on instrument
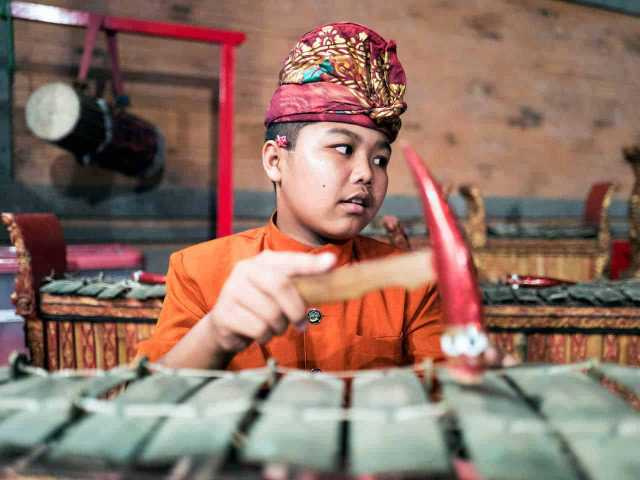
pixel 632 155
pixel 476 224
pixel 593 319
pixel 596 252
pixel 604 233
pixel 23 296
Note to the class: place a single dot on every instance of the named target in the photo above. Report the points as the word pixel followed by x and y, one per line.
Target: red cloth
pixel 620 258
pixel 342 72
pixel 388 327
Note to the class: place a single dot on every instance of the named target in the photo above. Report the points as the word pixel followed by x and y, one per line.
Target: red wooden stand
pixel 227 39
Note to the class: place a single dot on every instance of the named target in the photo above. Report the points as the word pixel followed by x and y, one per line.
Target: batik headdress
pixel 342 72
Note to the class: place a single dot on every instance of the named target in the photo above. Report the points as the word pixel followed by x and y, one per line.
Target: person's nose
pixel 362 171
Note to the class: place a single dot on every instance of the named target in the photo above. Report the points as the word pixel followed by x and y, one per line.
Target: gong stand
pixel 95 24
pixel 227 39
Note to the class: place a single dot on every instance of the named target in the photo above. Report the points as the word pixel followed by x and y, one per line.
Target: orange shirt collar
pixel 277 240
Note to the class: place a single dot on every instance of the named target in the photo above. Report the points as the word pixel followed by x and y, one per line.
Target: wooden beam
pixel 6 84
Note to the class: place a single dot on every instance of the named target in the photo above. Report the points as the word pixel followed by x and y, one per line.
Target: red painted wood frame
pixel 226 38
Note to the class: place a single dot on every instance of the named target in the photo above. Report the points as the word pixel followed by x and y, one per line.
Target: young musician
pixel 231 302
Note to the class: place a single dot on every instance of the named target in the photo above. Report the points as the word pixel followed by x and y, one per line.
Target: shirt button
pixel 314 315
pixel 315 370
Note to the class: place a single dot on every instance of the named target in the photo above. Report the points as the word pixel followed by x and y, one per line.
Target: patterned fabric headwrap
pixel 342 72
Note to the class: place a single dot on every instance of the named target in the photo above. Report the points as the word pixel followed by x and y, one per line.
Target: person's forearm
pixel 198 349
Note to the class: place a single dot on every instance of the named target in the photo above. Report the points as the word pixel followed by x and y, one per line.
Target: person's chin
pixel 347 229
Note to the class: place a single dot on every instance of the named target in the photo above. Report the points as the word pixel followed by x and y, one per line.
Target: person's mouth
pixel 357 203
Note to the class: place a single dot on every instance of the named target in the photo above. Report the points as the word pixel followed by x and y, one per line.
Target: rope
pixel 228 407
pixel 627 426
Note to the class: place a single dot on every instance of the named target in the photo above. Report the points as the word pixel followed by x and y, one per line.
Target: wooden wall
pixel 524 97
pixel 172 84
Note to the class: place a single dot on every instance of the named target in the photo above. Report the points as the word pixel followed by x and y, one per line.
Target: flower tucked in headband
pixel 343 72
pixel 282 141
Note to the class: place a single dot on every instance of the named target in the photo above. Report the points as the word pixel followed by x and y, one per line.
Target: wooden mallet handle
pixel 407 270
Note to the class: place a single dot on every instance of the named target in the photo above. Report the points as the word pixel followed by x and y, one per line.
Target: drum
pixel 94 132
pixel 554 422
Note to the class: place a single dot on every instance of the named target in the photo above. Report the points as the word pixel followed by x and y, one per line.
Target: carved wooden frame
pixel 604 233
pixel 24 295
pixel 476 224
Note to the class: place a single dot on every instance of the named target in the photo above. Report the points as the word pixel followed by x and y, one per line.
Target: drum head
pixel 52 111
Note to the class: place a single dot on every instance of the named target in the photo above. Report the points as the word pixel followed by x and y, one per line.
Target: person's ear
pixel 272 160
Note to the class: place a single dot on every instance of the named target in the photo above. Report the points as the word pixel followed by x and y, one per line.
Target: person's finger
pixel 280 288
pixel 291 263
pixel 263 305
pixel 242 321
pixel 491 356
pixel 229 341
pixel 235 343
pixel 509 361
pixel 292 304
pixel 390 222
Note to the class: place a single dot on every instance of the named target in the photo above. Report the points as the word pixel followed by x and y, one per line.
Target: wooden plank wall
pixel 517 95
pixel 523 97
pixel 172 84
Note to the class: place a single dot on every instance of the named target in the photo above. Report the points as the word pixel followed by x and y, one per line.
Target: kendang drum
pixel 94 131
pixel 575 421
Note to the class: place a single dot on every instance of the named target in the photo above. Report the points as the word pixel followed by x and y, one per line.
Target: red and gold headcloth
pixel 342 72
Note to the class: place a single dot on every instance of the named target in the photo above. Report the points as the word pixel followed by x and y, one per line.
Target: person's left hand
pixel 495 358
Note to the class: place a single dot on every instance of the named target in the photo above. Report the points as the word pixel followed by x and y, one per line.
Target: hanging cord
pixel 96 22
pixel 121 98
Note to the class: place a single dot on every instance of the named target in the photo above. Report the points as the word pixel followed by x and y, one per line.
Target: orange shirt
pixel 387 327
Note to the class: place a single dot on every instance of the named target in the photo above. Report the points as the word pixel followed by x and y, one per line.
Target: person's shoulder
pixel 237 240
pixel 368 247
pixel 219 252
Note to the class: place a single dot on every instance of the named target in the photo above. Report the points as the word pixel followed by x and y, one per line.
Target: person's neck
pixel 293 230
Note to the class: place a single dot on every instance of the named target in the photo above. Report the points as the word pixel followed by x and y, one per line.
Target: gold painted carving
pixel 476 224
pixel 604 234
pixel 24 296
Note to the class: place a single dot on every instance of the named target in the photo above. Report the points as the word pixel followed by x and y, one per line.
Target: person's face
pixel 334 182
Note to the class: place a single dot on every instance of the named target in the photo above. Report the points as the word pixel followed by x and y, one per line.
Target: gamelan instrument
pixel 459 421
pixel 566 422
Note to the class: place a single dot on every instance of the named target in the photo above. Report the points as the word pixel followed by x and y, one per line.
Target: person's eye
pixel 344 149
pixel 380 161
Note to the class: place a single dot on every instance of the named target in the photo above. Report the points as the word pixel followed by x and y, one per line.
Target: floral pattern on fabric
pixel 361 73
pixel 319 72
